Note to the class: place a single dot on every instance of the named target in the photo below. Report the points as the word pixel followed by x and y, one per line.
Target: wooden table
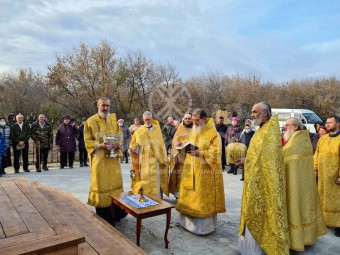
pixel 163 207
pixel 24 230
pixel 37 219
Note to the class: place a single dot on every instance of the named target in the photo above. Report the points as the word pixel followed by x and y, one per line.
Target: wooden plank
pixel 10 241
pixel 47 209
pixel 68 251
pixel 28 213
pixel 89 225
pixel 86 249
pixel 10 220
pixel 54 217
pixel 44 246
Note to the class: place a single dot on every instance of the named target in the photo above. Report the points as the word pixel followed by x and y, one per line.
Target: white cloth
pixel 198 226
pixel 247 245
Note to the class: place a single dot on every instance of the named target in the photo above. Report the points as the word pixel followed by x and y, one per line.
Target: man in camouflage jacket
pixel 41 133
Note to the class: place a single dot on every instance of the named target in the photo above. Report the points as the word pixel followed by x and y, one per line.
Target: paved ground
pixel 222 241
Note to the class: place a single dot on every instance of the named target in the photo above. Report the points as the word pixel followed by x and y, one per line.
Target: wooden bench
pixel 40 218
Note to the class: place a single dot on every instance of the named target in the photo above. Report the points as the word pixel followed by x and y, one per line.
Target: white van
pixel 308 117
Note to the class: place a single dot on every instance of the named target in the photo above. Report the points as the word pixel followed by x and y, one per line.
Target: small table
pixel 142 213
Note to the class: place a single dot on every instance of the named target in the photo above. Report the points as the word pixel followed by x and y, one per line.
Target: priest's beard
pixel 258 121
pixel 188 125
pixel 287 135
pixel 197 129
pixel 103 114
pixel 148 125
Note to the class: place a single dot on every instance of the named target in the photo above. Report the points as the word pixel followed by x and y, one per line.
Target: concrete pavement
pixel 222 241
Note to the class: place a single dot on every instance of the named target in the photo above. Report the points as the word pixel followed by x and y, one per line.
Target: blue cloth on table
pixel 133 200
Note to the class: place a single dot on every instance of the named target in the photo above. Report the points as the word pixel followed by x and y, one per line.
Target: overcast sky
pixel 278 40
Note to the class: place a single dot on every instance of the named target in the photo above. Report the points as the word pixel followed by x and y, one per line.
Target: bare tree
pixel 22 91
pixel 79 78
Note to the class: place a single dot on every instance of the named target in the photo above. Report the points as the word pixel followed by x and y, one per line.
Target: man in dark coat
pixel 245 138
pixel 81 144
pixel 126 140
pixel 20 134
pixel 66 140
pixel 168 132
pixel 222 129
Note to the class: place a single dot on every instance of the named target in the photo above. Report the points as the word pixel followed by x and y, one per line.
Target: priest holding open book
pixel 201 194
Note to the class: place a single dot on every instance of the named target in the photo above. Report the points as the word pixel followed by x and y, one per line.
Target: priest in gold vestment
pixel 201 193
pixel 106 175
pixel 176 158
pixel 327 167
pixel 305 219
pixel 150 160
pixel 263 224
pixel 235 151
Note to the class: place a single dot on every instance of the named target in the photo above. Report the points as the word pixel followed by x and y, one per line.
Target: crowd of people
pixel 291 180
pixel 16 134
pixel 283 208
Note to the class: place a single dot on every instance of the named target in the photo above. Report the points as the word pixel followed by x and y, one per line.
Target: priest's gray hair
pixel 267 108
pixel 201 113
pixel 297 122
pixel 102 99
pixel 147 113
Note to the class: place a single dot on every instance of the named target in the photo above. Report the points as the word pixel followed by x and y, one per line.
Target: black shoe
pixel 16 171
pixel 3 172
pixel 235 173
pixel 86 164
pixel 337 232
pixel 38 170
pixel 70 166
pixel 242 179
pixel 45 168
pixel 230 172
pixel 27 170
pixel 81 164
pixel 62 167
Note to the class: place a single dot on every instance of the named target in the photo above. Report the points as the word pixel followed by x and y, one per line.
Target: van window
pixel 312 118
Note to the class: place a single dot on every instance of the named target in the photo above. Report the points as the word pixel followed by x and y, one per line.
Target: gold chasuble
pixel 150 161
pixel 235 151
pixel 106 174
pixel 305 219
pixel 176 168
pixel 201 192
pixel 327 162
pixel 264 208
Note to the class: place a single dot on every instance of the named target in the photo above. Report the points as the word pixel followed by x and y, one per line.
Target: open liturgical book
pixel 187 147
